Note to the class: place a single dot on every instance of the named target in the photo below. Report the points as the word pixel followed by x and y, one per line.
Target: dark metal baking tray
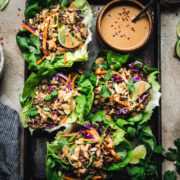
pixel 35 146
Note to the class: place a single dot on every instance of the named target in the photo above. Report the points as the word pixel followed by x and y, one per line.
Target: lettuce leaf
pixel 113 60
pixel 122 147
pixel 154 97
pixel 83 102
pixel 53 162
pixel 29 44
pixel 124 150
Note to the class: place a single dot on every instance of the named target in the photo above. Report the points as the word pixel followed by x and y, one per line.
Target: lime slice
pixel 137 89
pixel 66 39
pixel 178 29
pixel 62 35
pixel 177 48
pixel 138 153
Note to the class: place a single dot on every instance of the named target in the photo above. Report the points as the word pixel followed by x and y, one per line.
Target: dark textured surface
pixel 35 146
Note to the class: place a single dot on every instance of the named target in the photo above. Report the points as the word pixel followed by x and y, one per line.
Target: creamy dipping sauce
pixel 118 30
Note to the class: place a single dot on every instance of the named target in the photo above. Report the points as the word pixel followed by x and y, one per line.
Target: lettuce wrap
pixel 96 150
pixel 63 42
pixel 124 87
pixel 52 101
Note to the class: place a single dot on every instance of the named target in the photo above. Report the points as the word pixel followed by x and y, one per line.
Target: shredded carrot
pixel 65 118
pixel 112 151
pixel 97 177
pixel 69 78
pixel 73 80
pixel 71 143
pixel 29 29
pixel 69 178
pixel 116 73
pixel 120 102
pixel 51 13
pixel 45 35
pixel 67 135
pixel 98 71
pixel 40 60
pixel 94 133
pixel 64 57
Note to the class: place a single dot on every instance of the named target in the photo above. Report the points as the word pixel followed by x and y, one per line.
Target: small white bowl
pixel 1 61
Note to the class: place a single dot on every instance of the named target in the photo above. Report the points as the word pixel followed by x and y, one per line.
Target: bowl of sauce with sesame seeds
pixel 116 30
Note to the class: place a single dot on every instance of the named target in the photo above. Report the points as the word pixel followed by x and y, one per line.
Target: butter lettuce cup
pixel 98 150
pixel 124 87
pixel 56 33
pixel 116 30
pixel 55 101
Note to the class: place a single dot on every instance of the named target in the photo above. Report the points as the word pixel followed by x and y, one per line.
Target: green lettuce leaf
pixel 122 147
pixel 124 150
pixel 154 96
pixel 83 102
pixel 113 60
pixel 116 60
pixel 29 44
pixel 53 162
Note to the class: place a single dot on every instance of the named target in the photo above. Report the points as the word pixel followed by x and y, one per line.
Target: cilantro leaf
pixel 177 144
pixel 131 131
pixel 49 116
pixel 131 85
pixel 178 167
pixel 174 155
pixel 171 156
pixel 61 142
pixel 108 75
pixel 52 95
pixel 159 149
pixel 54 92
pixel 170 175
pixel 105 92
pixel 33 111
pixel 136 172
pixel 48 98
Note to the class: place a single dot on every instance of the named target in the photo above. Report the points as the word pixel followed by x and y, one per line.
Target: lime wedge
pixel 178 29
pixel 66 39
pixel 177 48
pixel 138 153
pixel 137 89
pixel 62 35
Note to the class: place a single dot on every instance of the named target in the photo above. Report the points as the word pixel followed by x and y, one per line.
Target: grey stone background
pixel 12 83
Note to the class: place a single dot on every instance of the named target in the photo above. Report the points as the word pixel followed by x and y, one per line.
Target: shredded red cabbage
pixel 71 49
pixel 136 70
pixel 81 18
pixel 78 11
pixel 100 128
pixel 78 30
pixel 69 87
pixel 136 79
pixel 88 126
pixel 56 113
pixel 132 65
pixel 122 110
pixel 58 76
pixel 108 130
pixel 117 78
pixel 50 88
pixel 145 96
pixel 84 133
